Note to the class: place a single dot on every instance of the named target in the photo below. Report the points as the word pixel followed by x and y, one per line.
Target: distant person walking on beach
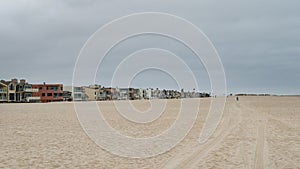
pixel 237 98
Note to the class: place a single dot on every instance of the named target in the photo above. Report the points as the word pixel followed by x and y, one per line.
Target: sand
pixel 256 132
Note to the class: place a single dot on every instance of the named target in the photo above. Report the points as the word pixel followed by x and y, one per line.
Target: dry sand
pixel 256 132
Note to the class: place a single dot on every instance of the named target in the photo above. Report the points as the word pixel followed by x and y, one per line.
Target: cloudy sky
pixel 258 41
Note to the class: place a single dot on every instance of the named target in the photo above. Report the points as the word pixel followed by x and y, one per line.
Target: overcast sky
pixel 258 41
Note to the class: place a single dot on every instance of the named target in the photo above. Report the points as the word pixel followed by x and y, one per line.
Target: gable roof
pixel 4 83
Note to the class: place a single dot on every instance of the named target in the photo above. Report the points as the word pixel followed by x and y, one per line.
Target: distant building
pixel 140 93
pixel 78 93
pixel 102 94
pixel 123 94
pixel 48 92
pixel 136 94
pixel 67 96
pixel 92 92
pixel 147 93
pixel 110 93
pixel 156 94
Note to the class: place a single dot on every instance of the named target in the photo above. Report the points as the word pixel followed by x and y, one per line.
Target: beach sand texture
pixel 255 132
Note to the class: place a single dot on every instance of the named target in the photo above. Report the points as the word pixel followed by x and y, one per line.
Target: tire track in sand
pixel 200 152
pixel 260 143
pixel 259 153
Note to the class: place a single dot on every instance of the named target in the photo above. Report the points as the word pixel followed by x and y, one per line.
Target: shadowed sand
pixel 256 132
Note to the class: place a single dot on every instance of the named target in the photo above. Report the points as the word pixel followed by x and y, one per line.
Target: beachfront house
pixel 136 94
pixel 27 94
pixel 15 91
pixel 48 92
pixel 78 93
pixel 101 94
pixel 148 93
pixel 92 92
pixel 123 94
pixel 107 93
pixel 3 91
pixel 67 96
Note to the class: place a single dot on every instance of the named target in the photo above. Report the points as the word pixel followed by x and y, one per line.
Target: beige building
pixel 14 91
pixel 3 92
pixel 92 92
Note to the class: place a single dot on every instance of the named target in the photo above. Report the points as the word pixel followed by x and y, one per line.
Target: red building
pixel 49 92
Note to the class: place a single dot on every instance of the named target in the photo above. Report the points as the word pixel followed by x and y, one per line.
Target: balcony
pixel 31 90
pixel 3 98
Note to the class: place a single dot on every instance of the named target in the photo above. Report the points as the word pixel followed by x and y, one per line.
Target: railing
pixel 29 99
pixel 3 98
pixel 2 90
pixel 31 90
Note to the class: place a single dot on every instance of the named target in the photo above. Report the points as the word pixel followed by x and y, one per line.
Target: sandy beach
pixel 255 132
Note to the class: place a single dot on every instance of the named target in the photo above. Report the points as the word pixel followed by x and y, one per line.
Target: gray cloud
pixel 258 42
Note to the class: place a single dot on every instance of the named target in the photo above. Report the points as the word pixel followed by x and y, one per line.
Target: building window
pixel 76 89
pixel 49 94
pixel 11 87
pixel 27 95
pixel 41 88
pixel 55 88
pixel 11 96
pixel 77 95
pixel 43 94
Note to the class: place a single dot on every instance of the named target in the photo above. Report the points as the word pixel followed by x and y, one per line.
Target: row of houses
pixel 241 94
pixel 22 91
pixel 98 93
